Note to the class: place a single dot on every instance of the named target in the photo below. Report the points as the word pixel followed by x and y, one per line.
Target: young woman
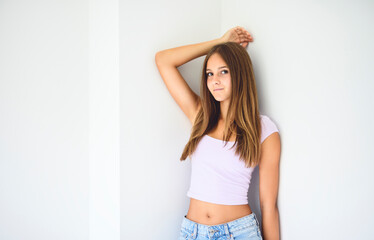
pixel 229 138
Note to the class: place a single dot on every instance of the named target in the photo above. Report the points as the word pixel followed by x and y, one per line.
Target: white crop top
pixel 217 174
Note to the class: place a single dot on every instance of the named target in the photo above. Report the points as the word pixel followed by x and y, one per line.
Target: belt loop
pixel 227 231
pixel 194 232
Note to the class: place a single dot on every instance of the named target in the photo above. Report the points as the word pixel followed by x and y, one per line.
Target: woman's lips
pixel 218 89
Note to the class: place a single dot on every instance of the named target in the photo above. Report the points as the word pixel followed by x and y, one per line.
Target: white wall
pixel 59 124
pixel 313 62
pixel 44 174
pixel 104 137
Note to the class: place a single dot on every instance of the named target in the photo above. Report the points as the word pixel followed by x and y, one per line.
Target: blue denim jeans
pixel 244 228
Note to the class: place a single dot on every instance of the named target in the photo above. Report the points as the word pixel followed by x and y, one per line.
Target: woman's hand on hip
pixel 238 35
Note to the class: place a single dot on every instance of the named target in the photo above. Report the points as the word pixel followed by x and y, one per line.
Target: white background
pixel 44 116
pixel 86 120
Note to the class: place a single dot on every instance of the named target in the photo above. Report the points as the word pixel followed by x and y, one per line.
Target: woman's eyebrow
pixel 218 68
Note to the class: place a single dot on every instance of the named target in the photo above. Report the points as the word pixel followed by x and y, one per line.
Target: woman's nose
pixel 216 79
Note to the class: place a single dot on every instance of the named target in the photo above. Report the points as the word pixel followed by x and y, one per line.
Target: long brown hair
pixel 243 108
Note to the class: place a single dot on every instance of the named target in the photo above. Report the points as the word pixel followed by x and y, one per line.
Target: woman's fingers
pixel 239 35
pixel 243 34
pixel 245 38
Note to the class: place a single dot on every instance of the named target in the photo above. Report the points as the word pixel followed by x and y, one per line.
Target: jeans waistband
pixel 219 229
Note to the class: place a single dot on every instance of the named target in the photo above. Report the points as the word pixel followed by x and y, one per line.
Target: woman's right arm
pixel 167 62
pixel 170 59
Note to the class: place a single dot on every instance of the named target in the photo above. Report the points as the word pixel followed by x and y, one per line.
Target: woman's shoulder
pixel 268 127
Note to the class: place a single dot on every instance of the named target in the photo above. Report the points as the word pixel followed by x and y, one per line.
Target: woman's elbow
pixel 160 57
pixel 157 57
pixel 269 206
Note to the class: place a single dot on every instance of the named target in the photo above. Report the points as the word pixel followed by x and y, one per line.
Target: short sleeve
pixel 268 127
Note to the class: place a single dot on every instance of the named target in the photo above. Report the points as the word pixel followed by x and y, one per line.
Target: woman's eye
pixel 208 74
pixel 224 71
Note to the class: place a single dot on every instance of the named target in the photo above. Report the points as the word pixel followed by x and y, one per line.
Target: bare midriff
pixel 213 214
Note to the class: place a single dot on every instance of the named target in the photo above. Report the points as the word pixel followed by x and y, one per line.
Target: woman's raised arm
pixel 170 59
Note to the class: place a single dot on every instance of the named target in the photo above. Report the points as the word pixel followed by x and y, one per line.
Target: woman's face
pixel 218 78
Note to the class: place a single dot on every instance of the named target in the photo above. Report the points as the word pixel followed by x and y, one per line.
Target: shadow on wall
pixel 254 195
